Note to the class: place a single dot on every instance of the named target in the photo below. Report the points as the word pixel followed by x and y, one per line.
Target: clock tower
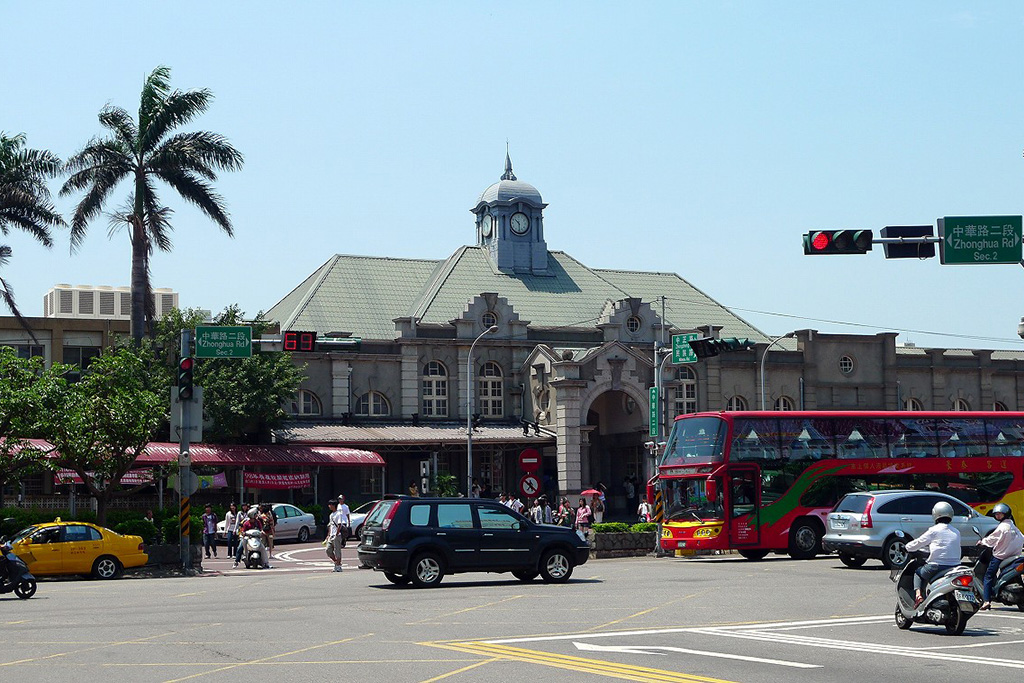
pixel 510 225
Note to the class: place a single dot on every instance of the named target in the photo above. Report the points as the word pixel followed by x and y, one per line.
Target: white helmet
pixel 942 509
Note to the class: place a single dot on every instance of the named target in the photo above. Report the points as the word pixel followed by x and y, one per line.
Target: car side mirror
pixel 517 525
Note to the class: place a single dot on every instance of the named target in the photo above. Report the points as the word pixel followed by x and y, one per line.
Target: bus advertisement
pixel 760 482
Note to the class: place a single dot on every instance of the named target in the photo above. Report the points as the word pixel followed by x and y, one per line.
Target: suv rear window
pixel 378 513
pixel 852 503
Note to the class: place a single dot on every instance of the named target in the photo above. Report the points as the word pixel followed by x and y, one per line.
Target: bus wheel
pixel 805 539
pixel 754 554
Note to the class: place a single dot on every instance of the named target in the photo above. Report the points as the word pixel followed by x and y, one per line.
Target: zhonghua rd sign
pixel 980 239
pixel 223 342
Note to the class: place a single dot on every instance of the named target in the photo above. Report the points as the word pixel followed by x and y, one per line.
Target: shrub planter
pixel 165 553
pixel 628 544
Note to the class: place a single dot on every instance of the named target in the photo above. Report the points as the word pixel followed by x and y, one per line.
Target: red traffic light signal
pixel 185 371
pixel 838 242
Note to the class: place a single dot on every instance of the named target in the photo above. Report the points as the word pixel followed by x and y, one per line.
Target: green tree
pixel 100 424
pixel 145 151
pixel 22 384
pixel 243 398
pixel 25 201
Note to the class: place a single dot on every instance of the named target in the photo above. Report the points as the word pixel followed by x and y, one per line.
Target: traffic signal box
pixel 838 242
pixel 707 347
pixel 185 379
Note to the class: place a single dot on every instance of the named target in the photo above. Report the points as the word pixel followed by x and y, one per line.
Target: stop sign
pixel 529 460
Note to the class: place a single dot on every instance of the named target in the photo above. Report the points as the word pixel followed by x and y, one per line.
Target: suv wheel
pixel 556 567
pixel 525 576
pixel 852 560
pixel 427 570
pixel 894 553
pixel 397 579
pixel 804 539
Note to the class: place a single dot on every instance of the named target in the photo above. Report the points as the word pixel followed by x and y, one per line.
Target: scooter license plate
pixel 965 596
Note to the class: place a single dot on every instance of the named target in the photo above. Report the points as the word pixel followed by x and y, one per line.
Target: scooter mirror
pixel 975 529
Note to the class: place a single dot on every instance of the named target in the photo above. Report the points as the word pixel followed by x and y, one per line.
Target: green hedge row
pixel 622 527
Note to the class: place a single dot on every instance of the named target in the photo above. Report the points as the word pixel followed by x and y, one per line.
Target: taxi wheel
pixel 106 567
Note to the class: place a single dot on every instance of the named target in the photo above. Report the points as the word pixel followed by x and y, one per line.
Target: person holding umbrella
pixel 597 505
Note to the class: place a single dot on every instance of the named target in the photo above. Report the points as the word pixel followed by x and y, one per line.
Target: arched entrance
pixel 618 428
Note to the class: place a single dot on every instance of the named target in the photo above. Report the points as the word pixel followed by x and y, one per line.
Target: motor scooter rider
pixel 1006 541
pixel 252 521
pixel 943 543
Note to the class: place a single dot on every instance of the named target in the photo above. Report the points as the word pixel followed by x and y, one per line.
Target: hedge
pixel 138 527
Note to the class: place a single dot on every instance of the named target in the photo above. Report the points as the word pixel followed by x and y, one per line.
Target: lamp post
pixel 764 356
pixel 469 409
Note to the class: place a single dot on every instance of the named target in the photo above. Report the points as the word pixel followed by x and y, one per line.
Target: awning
pixel 275 455
pixel 397 434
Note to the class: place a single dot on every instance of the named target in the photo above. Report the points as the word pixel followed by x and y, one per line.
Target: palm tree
pixel 25 201
pixel 144 152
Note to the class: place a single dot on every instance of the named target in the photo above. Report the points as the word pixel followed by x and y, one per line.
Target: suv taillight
pixel 391 513
pixel 866 522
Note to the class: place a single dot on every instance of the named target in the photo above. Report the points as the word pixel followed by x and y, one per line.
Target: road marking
pixel 458 671
pixel 654 650
pixel 598 667
pixel 467 609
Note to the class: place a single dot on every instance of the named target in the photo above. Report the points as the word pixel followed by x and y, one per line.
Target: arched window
pixel 684 393
pixel 434 390
pixel 489 318
pixel 961 404
pixel 913 404
pixel 784 403
pixel 491 394
pixel 305 403
pixel 846 365
pixel 633 324
pixel 736 403
pixel 999 406
pixel 373 404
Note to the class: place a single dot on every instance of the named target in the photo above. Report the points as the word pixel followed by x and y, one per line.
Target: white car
pixel 291 523
pixel 358 516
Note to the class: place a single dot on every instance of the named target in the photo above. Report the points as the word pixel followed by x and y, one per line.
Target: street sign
pixel 980 239
pixel 224 342
pixel 529 485
pixel 681 351
pixel 529 460
pixel 653 411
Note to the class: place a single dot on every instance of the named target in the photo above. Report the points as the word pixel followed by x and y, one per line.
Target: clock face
pixel 520 223
pixel 485 226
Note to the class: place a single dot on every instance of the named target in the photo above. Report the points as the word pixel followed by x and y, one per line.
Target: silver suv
pixel 863 525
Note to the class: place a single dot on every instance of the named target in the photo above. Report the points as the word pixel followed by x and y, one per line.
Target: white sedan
pixel 291 523
pixel 358 516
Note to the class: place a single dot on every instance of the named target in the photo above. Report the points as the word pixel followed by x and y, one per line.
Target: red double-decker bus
pixel 759 482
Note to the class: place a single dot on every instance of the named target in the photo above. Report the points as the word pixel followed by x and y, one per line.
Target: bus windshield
pixel 687 499
pixel 695 441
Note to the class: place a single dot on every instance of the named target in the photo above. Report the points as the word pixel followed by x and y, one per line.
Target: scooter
pixel 952 597
pixel 253 549
pixel 1008 588
pixel 14 573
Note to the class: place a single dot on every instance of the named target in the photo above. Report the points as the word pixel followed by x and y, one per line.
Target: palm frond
pixel 154 91
pixel 7 294
pixel 24 195
pixel 200 152
pixel 121 123
pixel 201 194
pixel 157 220
pixel 179 108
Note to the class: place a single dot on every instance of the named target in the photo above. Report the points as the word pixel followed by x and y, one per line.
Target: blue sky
pixel 701 138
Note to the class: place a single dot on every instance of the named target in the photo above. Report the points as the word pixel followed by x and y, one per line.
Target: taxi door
pixel 44 554
pixel 82 545
pixel 743 505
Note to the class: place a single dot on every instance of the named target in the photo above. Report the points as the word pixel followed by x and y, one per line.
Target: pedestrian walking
pixel 335 537
pixel 231 522
pixel 209 531
pixel 583 518
pixel 346 519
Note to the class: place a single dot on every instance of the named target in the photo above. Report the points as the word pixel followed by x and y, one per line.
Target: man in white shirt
pixel 335 534
pixel 943 543
pixel 1006 541
pixel 346 519
pixel 516 504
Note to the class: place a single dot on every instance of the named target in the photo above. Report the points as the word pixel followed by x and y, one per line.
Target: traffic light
pixel 837 242
pixel 911 249
pixel 185 367
pixel 707 347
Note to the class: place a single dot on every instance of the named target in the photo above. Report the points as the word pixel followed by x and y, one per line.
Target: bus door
pixel 743 504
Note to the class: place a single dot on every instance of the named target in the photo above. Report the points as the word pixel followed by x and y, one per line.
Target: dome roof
pixel 509 188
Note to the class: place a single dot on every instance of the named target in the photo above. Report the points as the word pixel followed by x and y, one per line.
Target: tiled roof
pixel 363 295
pixel 381 434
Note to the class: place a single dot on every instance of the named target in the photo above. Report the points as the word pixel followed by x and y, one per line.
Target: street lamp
pixel 764 356
pixel 469 409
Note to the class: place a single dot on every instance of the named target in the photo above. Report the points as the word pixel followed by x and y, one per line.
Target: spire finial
pixel 508 175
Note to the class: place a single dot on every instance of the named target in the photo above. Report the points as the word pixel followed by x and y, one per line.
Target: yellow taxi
pixel 57 547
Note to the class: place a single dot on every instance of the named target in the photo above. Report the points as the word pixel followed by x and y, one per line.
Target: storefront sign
pixel 131 478
pixel 262 480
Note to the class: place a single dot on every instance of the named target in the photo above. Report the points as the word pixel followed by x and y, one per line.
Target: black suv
pixel 422 539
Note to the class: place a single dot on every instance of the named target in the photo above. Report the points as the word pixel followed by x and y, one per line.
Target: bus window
pixel 915 438
pixel 861 438
pixel 695 441
pixel 1006 437
pixel 689 499
pixel 962 438
pixel 754 439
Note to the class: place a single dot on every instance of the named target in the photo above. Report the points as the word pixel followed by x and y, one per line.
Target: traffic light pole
pixel 185 467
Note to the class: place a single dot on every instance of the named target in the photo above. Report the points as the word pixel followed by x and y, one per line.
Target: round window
pixel 633 324
pixel 489 319
pixel 846 365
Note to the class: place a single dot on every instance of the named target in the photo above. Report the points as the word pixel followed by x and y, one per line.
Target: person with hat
pixel 346 519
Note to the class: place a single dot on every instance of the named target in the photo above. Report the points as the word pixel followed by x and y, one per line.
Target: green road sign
pixel 980 239
pixel 654 411
pixel 223 342
pixel 681 351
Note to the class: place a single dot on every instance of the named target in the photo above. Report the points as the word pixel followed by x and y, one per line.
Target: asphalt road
pixel 638 619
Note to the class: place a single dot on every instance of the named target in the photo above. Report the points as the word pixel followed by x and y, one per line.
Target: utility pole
pixel 185 366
